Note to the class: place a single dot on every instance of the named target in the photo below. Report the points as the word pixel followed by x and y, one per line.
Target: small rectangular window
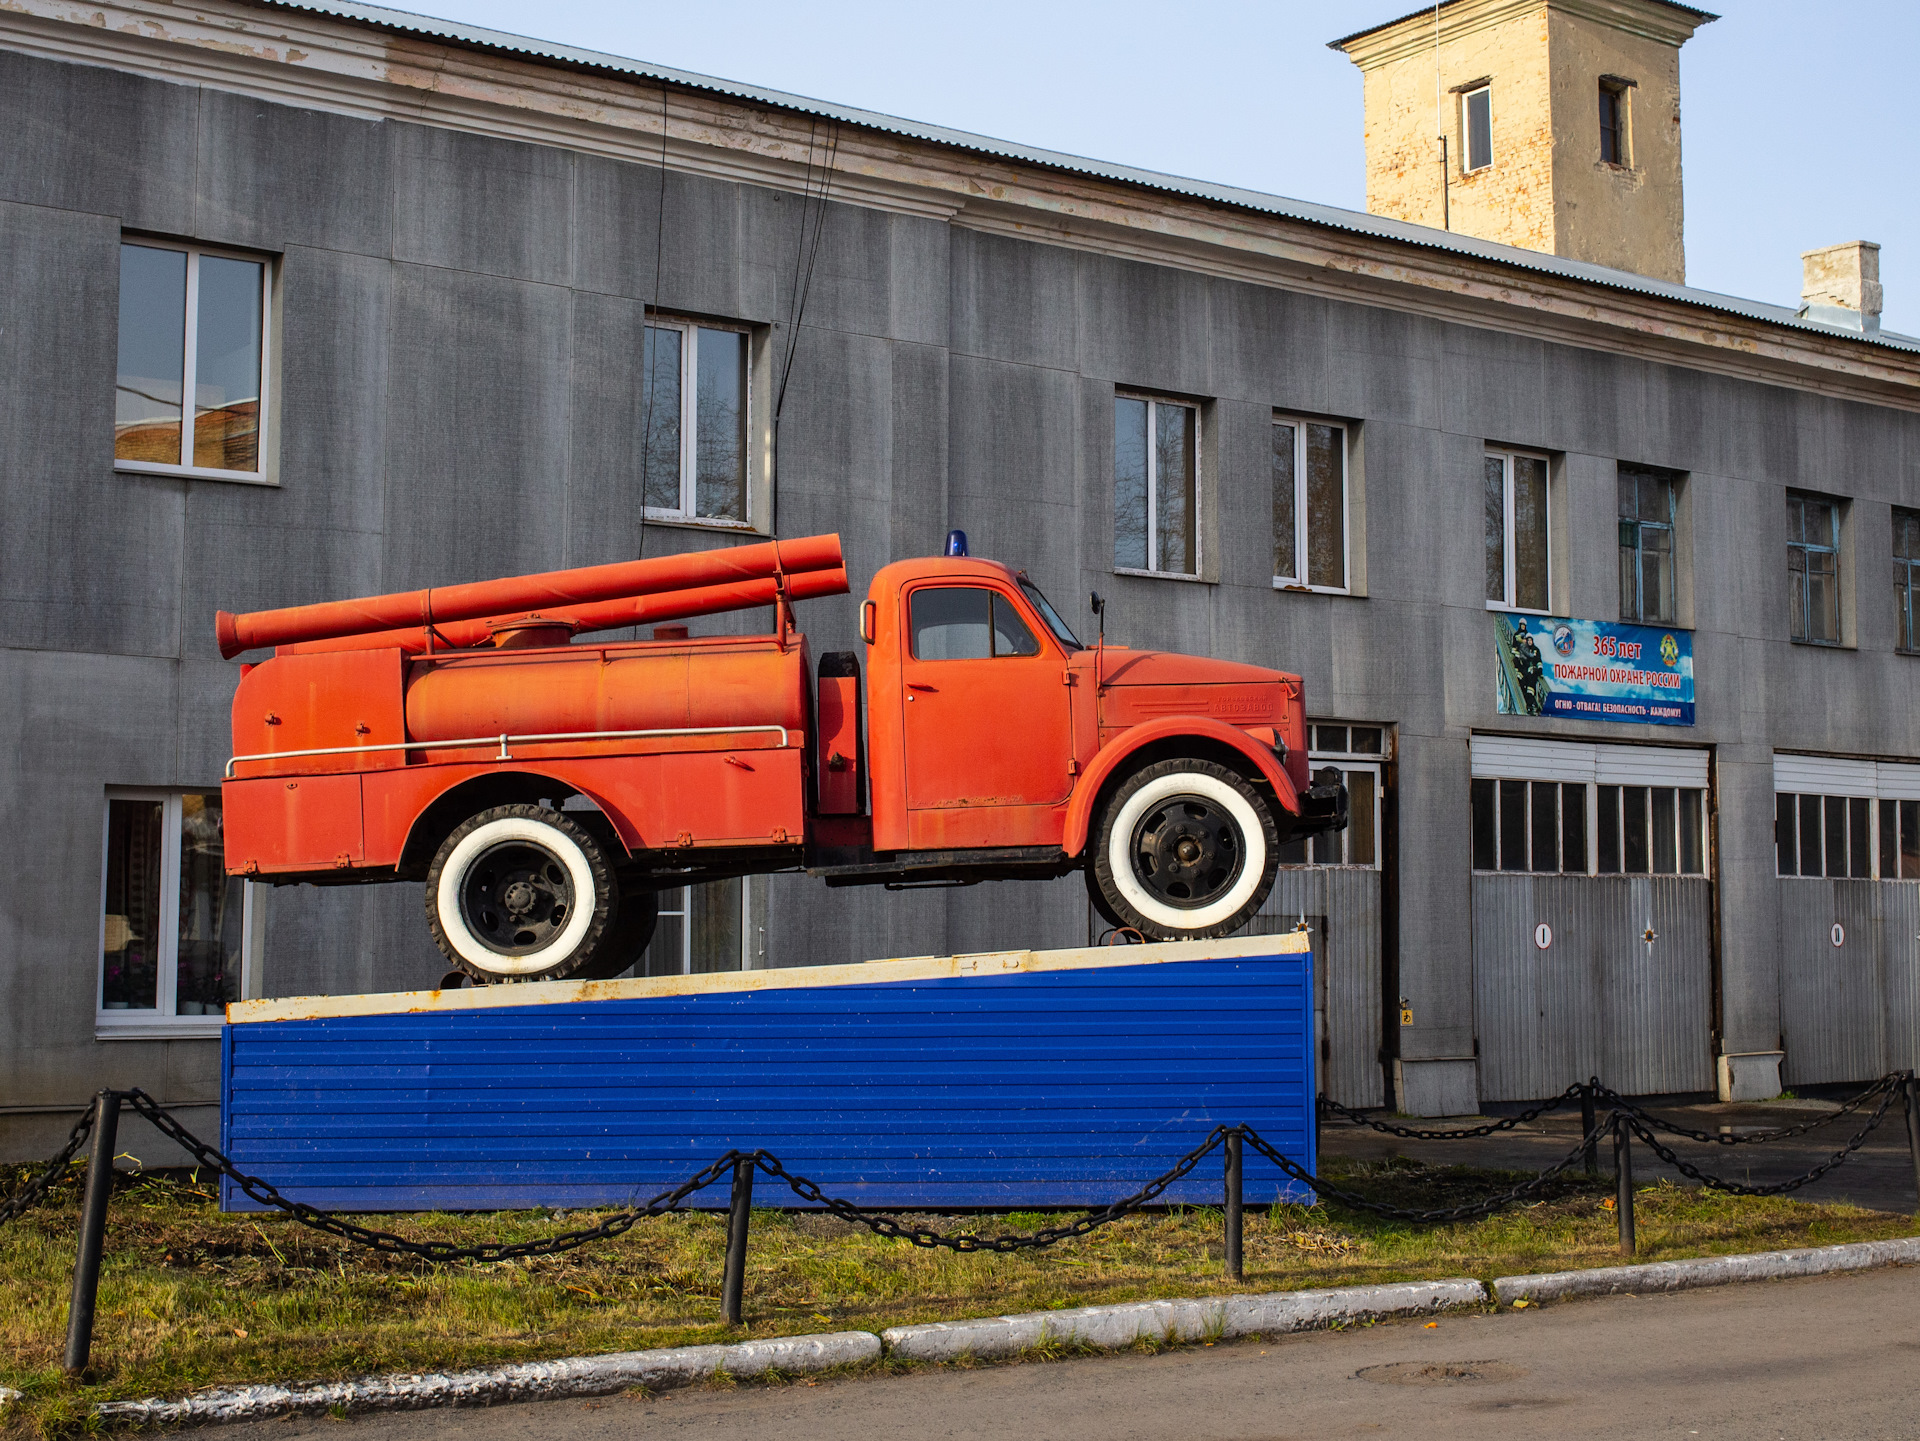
pixel 1310 504
pixel 1813 568
pixel 1513 825
pixel 1613 123
pixel 1156 486
pixel 1666 848
pixel 1607 819
pixel 193 337
pixel 174 933
pixel 1519 575
pixel 1546 826
pixel 1786 836
pixel 1889 839
pixel 1859 851
pixel 1693 825
pixel 1811 852
pixel 1836 835
pixel 1476 109
pixel 1635 857
pixel 1910 840
pixel 1486 847
pixel 1648 509
pixel 1573 829
pixel 1906 577
pixel 1361 787
pixel 693 452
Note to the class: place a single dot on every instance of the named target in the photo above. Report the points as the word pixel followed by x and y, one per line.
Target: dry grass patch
pixel 191 1297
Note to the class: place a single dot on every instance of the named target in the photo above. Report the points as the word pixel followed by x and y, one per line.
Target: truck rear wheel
pixel 1185 849
pixel 520 893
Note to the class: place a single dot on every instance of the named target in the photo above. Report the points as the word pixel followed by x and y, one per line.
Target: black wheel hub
pixel 1187 852
pixel 516 897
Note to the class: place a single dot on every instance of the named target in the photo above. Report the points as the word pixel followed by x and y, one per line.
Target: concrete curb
pixel 1111 1328
pixel 526 1381
pixel 1707 1271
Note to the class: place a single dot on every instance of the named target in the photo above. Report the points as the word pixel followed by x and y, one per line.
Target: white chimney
pixel 1842 286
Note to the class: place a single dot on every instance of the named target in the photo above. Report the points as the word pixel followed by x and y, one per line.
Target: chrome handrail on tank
pixel 506 740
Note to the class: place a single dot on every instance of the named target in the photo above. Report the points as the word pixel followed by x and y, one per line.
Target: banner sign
pixel 1593 670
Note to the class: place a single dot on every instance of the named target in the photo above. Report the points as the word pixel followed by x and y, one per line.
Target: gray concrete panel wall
pixel 459 329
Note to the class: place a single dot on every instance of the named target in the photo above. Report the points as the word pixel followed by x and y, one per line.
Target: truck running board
pixel 955 867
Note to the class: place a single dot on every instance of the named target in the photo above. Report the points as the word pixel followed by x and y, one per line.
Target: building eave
pixel 385 64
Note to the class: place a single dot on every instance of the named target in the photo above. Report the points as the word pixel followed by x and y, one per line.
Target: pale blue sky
pixel 1795 133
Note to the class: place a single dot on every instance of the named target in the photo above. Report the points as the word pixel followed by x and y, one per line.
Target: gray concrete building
pixel 412 280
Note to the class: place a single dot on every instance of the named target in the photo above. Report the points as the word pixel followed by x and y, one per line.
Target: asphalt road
pixel 1833 1358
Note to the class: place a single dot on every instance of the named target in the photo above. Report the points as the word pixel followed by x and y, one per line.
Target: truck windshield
pixel 1051 616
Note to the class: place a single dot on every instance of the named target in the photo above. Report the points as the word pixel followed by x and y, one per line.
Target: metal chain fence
pixel 30 1194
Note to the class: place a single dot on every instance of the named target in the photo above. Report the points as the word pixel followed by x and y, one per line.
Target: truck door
pixel 986 720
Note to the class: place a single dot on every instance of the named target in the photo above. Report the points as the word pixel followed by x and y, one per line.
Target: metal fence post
pixel 1233 1205
pixel 1623 1181
pixel 1586 1129
pixel 93 1231
pixel 735 1280
pixel 1913 1129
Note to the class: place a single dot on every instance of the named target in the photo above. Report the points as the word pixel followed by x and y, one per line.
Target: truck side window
pixel 966 623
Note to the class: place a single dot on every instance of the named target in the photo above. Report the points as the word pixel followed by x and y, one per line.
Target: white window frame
pixel 689 419
pixel 1810 777
pixel 161 1023
pixel 1298 580
pixel 1510 572
pixel 1153 491
pixel 1596 764
pixel 190 364
pixel 1467 167
pixel 684 912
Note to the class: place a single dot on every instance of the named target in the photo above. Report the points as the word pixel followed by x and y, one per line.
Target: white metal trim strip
pixel 1824 775
pixel 869 973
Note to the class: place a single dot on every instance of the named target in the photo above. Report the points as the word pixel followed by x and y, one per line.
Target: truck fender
pixel 1114 755
pixel 471 794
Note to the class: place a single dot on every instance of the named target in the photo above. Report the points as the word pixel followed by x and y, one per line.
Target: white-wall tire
pixel 562 875
pixel 1229 830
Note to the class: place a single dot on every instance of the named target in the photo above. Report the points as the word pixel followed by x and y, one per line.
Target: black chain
pixel 1453 1213
pixel 387 1241
pixel 1894 1081
pixel 882 1224
pixel 31 1193
pixel 1778 1188
pixel 1572 1093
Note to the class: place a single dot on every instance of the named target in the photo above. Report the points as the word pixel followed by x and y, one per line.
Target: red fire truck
pixel 545 787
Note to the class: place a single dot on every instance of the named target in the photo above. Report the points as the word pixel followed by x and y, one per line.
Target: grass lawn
pixel 190 1297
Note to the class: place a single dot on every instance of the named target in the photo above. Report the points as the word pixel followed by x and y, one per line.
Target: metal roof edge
pixel 1705 17
pixel 1330 217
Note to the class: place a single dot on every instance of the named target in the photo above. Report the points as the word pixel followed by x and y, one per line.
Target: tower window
pixel 1476 109
pixel 1613 124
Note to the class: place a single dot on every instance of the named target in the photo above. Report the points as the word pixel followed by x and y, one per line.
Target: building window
pixel 1613 123
pixel 1476 115
pixel 693 464
pixel 1518 574
pixel 1906 575
pixel 1358 752
pixel 1538 826
pixel 1310 504
pixel 1828 835
pixel 708 928
pixel 174 926
pixel 1813 568
pixel 1650 830
pixel 1649 505
pixel 193 337
pixel 1156 486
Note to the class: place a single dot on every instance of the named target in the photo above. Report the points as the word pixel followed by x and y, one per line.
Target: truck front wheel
pixel 519 893
pixel 1185 849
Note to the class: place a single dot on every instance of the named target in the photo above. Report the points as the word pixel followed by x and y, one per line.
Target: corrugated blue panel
pixel 1034 1088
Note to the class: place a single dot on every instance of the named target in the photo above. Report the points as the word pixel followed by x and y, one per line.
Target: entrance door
pixel 987 722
